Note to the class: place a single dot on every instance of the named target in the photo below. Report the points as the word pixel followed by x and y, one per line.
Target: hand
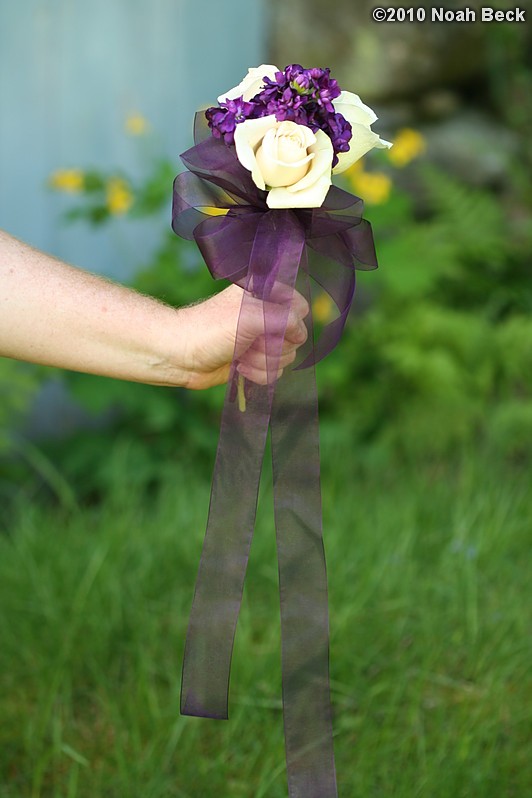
pixel 57 315
pixel 211 333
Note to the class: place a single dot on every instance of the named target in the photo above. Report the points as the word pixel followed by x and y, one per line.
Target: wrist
pixel 168 359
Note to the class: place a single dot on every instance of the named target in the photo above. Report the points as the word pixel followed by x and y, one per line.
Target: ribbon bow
pixel 268 253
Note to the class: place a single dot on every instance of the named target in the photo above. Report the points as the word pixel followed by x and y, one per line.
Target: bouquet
pixel 258 199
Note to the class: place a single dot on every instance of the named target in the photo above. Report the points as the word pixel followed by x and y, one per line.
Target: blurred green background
pixel 426 444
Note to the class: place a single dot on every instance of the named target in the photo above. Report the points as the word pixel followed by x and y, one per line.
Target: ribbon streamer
pixel 269 253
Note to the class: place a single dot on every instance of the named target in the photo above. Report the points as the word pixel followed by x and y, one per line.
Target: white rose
pixel 288 160
pixel 364 139
pixel 252 84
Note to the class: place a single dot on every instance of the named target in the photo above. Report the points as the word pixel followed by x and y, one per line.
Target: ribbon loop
pixel 220 581
pixel 302 584
pixel 269 253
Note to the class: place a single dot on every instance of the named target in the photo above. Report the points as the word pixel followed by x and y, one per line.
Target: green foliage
pixel 510 86
pixel 443 355
pixel 430 656
pixel 18 385
pixel 155 423
pixel 152 195
pixel 438 355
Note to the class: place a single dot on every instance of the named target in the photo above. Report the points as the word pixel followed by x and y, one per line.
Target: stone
pixel 378 61
pixel 472 146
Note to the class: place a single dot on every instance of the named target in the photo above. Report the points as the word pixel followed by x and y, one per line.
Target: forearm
pixel 57 315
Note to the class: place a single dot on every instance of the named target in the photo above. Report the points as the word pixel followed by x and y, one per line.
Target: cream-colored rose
pixel 288 160
pixel 252 84
pixel 283 157
pixel 364 139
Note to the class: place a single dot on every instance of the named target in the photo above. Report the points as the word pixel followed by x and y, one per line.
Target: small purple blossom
pixel 289 107
pixel 224 119
pixel 302 82
pixel 340 133
pixel 303 96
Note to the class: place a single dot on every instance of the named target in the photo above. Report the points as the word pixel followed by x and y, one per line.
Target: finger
pixel 300 305
pixel 251 330
pixel 257 360
pixel 296 329
pixel 259 345
pixel 256 375
pixel 253 312
pixel 296 333
pixel 282 294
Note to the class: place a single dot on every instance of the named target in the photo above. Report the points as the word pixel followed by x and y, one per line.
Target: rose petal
pixel 248 134
pixel 276 173
pixel 353 109
pixel 270 146
pixel 323 155
pixel 252 83
pixel 363 140
pixel 282 158
pixel 303 133
pixel 309 138
pixel 291 152
pixel 311 197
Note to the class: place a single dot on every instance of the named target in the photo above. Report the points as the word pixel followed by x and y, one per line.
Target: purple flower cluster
pixel 303 96
pixel 224 119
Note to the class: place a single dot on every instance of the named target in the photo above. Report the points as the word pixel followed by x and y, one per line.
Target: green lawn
pixel 430 640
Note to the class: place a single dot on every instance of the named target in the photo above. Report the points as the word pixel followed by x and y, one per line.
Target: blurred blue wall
pixel 70 73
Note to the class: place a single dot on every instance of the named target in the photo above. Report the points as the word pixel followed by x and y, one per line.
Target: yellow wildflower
pixel 136 124
pixel 373 187
pixel 71 180
pixel 322 308
pixel 119 196
pixel 407 145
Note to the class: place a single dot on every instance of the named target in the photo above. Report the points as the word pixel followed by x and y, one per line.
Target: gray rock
pixel 378 61
pixel 472 146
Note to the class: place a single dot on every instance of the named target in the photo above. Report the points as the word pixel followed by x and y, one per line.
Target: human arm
pixel 58 315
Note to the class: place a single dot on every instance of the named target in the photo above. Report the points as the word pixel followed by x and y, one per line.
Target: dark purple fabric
pixel 269 253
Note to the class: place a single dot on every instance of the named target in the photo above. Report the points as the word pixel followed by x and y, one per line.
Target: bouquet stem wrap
pixel 269 253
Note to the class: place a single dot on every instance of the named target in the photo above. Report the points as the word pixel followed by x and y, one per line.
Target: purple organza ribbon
pixel 269 253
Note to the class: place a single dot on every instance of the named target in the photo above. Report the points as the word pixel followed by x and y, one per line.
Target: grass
pixel 430 654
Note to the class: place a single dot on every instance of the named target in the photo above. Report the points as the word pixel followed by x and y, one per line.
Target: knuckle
pixel 292 321
pixel 300 304
pixel 298 331
pixel 259 377
pixel 305 307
